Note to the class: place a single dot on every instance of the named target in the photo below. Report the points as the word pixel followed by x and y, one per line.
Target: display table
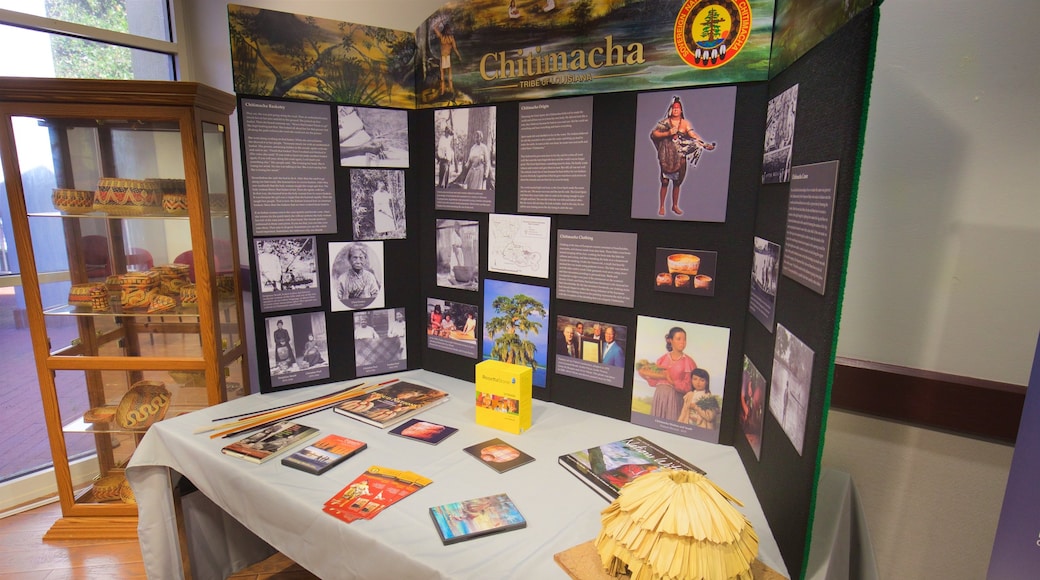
pixel 282 506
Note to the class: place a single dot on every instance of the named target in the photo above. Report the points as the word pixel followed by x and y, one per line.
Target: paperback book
pixel 498 455
pixel 392 404
pixel 465 520
pixel 373 491
pixel 269 442
pixel 324 454
pixel 608 467
pixel 425 431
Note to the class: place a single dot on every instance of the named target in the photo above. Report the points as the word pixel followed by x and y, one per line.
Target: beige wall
pixel 943 262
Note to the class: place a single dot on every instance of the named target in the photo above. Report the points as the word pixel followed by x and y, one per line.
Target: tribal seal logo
pixel 709 33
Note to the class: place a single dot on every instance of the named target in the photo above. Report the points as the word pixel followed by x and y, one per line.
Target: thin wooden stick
pixel 274 416
pixel 250 417
pixel 252 413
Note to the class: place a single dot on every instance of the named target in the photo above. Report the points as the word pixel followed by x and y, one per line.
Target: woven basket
pixel 144 404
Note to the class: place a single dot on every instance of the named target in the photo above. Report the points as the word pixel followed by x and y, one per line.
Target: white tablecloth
pixel 282 506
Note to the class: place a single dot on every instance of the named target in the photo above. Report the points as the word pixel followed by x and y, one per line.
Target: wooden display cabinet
pixel 131 280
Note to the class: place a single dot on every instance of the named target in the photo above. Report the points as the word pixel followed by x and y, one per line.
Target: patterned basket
pixel 117 196
pixel 172 277
pixel 73 201
pixel 106 488
pixel 144 404
pixel 175 203
pixel 81 296
pixel 161 303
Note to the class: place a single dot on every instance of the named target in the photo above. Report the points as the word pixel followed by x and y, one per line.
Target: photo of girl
pixel 672 389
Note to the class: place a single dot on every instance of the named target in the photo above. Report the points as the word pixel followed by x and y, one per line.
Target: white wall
pixel 943 267
pixel 943 263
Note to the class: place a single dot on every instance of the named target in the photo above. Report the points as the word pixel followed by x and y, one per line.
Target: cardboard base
pixel 582 563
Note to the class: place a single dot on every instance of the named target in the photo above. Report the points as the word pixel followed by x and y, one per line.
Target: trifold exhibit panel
pixel 667 249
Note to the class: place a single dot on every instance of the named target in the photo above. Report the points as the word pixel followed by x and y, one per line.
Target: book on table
pixel 473 518
pixel 389 405
pixel 498 455
pixel 270 441
pixel 606 468
pixel 324 454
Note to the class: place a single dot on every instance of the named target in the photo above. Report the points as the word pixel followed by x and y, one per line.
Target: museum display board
pixel 539 232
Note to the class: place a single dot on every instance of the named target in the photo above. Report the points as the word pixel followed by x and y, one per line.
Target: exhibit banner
pixel 1016 548
pixel 481 52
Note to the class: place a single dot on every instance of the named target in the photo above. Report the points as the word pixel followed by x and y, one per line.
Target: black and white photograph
pixel 297 348
pixel 465 149
pixel 371 137
pixel 458 254
pixel 776 155
pixel 379 341
pixel 765 271
pixel 789 389
pixel 356 274
pixel 288 273
pixel 377 204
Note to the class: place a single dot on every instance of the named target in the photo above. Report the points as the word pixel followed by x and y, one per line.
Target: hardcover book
pixel 608 467
pixel 465 520
pixel 324 454
pixel 372 492
pixel 503 396
pixel 269 442
pixel 389 405
pixel 425 431
pixel 498 455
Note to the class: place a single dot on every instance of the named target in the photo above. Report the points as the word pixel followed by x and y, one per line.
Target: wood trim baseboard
pixel 960 405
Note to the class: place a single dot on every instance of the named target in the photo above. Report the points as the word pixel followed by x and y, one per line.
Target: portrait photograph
pixel 680 377
pixel 377 204
pixel 297 348
pixel 683 144
pixel 356 274
pixel 591 350
pixel 379 345
pixel 465 148
pixel 458 254
pixel 371 137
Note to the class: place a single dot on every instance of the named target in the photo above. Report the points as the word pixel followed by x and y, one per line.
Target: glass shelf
pixel 178 312
pixel 157 215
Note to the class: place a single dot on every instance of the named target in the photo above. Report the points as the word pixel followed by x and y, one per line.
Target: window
pixel 110 39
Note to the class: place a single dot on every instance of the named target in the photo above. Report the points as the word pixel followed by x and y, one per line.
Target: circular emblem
pixel 709 33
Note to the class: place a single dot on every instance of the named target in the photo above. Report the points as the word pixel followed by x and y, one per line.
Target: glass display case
pixel 125 230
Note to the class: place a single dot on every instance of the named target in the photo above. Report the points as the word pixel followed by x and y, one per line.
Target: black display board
pixel 832 82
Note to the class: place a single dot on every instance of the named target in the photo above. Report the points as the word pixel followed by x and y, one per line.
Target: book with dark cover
pixel 269 442
pixel 472 518
pixel 608 467
pixel 389 405
pixel 324 454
